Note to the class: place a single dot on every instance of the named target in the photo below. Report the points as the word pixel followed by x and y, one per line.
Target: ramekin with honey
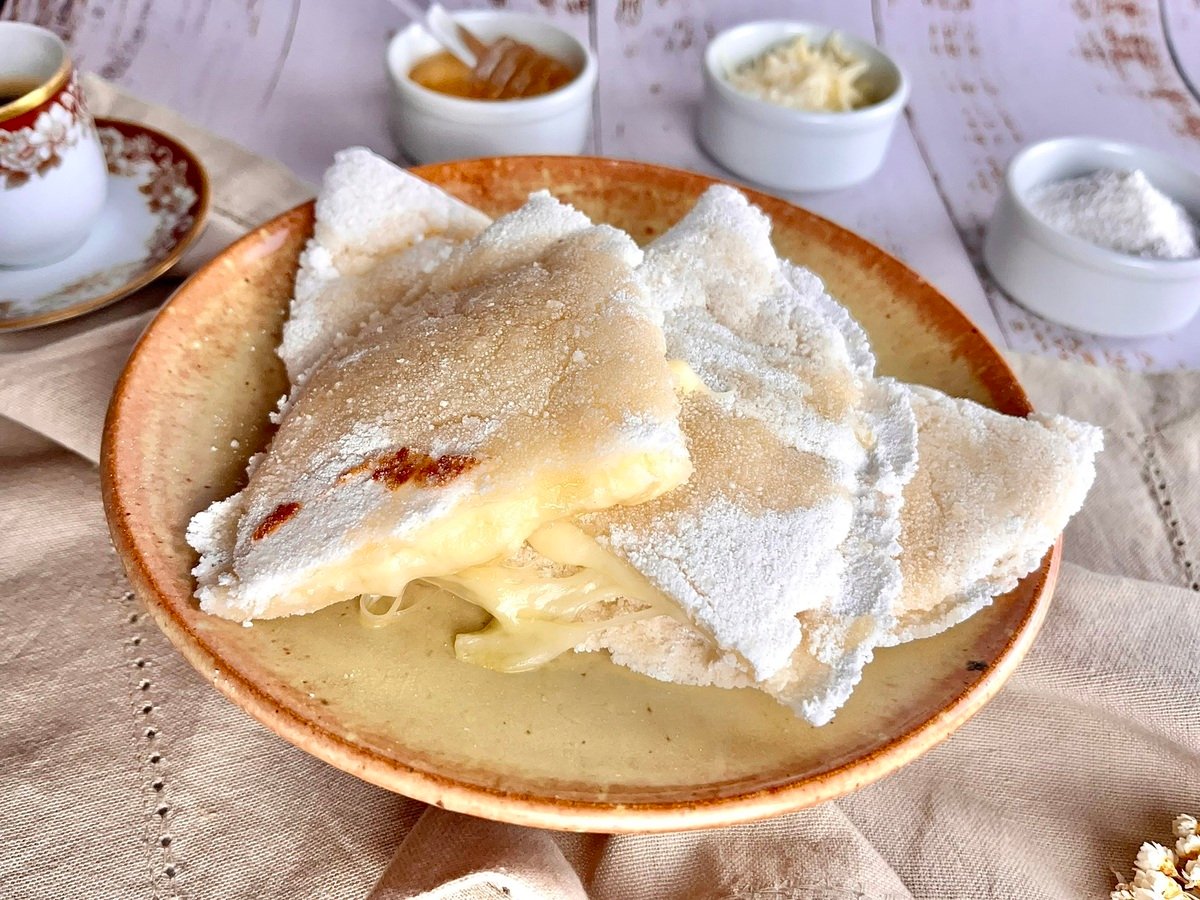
pixel 447 74
pixel 435 113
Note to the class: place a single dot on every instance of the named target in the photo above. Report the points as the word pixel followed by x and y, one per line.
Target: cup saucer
pixel 157 202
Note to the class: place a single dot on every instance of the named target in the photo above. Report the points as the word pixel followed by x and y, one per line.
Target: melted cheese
pixel 480 530
pixel 537 614
pixel 686 380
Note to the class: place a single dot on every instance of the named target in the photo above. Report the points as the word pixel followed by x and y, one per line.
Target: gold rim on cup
pixel 44 91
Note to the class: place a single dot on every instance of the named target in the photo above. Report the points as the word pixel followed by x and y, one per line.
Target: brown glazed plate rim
pixel 542 810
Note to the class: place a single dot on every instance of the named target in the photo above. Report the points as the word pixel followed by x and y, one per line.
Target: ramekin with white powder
pixel 1098 235
pixel 1120 210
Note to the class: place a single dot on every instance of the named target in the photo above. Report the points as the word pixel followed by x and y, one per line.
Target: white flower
pixel 1154 857
pixel 1188 846
pixel 51 130
pixel 17 153
pixel 1158 885
pixel 1191 873
pixel 1122 892
pixel 1184 825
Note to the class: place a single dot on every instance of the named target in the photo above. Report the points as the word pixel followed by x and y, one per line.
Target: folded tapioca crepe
pixel 989 498
pixel 793 507
pixel 378 236
pixel 788 576
pixel 432 444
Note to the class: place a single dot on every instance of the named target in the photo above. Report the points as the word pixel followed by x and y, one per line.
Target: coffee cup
pixel 53 177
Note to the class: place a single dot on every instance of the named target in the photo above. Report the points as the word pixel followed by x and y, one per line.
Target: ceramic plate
pixel 156 204
pixel 578 744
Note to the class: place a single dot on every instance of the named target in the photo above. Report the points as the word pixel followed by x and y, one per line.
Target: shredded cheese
pixel 800 75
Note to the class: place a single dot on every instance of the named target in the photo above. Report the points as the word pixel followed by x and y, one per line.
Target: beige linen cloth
pixel 123 774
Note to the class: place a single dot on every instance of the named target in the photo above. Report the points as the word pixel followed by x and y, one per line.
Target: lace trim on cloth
pixel 1156 479
pixel 152 770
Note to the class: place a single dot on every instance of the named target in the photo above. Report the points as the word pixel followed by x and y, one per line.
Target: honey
pixel 443 73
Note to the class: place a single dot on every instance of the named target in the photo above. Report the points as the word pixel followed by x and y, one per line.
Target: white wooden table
pixel 299 79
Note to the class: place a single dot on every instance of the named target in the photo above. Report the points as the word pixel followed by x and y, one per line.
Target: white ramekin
pixel 1073 282
pixel 429 127
pixel 793 149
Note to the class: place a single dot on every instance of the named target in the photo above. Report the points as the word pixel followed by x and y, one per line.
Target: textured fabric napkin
pixel 126 775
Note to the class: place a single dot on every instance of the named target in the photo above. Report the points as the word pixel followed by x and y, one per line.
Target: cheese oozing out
pixel 547 598
pixel 437 442
pixel 543 600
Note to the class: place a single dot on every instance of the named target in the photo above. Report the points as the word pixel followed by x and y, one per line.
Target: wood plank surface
pixel 292 80
pixel 649 113
pixel 1181 24
pixel 986 82
pixel 299 79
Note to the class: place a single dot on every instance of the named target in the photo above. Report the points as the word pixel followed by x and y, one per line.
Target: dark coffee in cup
pixel 15 88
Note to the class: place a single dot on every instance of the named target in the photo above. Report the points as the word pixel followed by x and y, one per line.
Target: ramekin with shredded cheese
pixel 797 106
pixel 822 77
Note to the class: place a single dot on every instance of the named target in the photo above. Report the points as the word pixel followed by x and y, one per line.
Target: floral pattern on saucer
pixel 158 195
pixel 169 196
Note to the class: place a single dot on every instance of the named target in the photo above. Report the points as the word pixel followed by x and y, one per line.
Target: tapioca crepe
pixel 682 458
pixel 433 443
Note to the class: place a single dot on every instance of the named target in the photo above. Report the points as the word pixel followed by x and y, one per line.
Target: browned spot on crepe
pixel 276 518
pixel 396 469
pixel 445 469
pixel 404 465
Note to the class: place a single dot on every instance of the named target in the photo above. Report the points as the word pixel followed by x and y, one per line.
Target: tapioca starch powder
pixel 1119 210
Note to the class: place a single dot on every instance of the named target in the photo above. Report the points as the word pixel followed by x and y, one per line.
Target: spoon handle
pixel 442 26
